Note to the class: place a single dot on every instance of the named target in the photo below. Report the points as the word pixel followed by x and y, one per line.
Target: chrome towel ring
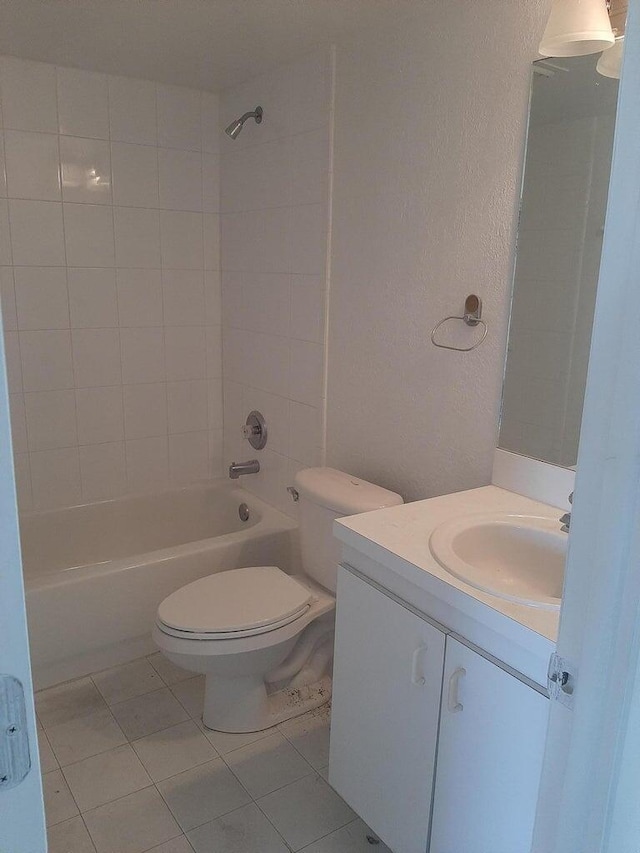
pixel 472 317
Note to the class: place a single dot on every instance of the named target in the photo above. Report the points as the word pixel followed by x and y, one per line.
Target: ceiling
pixel 207 44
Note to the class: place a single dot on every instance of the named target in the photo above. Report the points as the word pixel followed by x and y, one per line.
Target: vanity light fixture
pixel 610 62
pixel 577 28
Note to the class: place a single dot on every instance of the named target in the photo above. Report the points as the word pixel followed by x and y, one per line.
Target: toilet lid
pixel 237 600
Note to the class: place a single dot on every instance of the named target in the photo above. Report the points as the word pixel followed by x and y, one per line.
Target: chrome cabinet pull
pixel 452 697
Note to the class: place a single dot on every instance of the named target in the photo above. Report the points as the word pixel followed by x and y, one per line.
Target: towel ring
pixel 472 317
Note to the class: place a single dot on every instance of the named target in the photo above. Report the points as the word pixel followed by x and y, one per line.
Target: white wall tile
pixel 147 463
pixel 145 410
pixel 86 170
pixel 215 404
pixel 142 355
pixel 308 239
pixel 211 235
pixel 185 352
pixel 3 171
pixel 210 116
pixel 82 103
pixel 311 91
pixel 46 360
pixel 18 423
pixel 32 165
pixel 100 415
pixel 307 369
pixel 135 174
pixel 51 419
pixel 187 406
pixel 307 307
pixel 180 179
pixel 304 433
pixel 181 240
pixel 8 299
pixel 5 242
pixel 179 118
pixel 55 478
pixel 92 298
pixel 210 183
pixel 96 357
pixel 137 237
pixel 88 231
pixel 214 350
pixel 140 297
pixel 188 457
pixel 36 233
pixel 13 359
pixel 41 297
pixel 132 107
pixel 28 95
pixel 22 469
pixel 183 298
pixel 216 451
pixel 102 471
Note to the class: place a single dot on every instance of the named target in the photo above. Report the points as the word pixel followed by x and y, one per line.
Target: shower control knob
pixel 255 430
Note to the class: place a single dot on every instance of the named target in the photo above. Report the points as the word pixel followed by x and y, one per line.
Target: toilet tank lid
pixel 342 492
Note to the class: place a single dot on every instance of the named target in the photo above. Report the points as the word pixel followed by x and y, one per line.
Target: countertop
pixel 391 546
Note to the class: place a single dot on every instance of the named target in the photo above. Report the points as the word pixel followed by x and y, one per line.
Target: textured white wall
pixel 429 135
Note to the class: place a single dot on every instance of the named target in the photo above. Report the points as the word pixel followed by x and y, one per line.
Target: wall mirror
pixel 562 212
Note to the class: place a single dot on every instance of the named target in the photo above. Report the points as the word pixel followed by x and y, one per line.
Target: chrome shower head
pixel 236 126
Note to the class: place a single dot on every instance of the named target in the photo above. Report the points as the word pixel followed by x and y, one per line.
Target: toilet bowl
pixel 263 639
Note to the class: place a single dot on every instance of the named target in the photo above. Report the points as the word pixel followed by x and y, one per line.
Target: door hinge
pixel 561 680
pixel 15 760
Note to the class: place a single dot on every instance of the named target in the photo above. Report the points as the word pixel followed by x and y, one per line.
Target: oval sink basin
pixel 516 557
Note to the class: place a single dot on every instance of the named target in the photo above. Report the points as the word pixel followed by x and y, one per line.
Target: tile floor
pixel 128 767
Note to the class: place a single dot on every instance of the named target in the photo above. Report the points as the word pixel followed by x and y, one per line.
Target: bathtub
pixel 95 574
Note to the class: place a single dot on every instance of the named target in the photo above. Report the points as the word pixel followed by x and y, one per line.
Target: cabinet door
pixel 386 697
pixel 492 733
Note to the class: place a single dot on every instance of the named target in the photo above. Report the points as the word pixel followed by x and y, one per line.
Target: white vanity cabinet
pixel 403 692
pixel 490 749
pixel 386 700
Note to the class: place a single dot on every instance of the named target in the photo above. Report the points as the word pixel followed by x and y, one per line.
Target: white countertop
pixel 397 539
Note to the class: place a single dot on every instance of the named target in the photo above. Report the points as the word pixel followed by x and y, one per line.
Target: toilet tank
pixel 324 495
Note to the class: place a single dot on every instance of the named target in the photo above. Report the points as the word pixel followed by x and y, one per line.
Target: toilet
pixel 264 638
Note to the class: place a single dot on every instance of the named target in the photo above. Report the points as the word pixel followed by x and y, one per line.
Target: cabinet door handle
pixel 452 698
pixel 416 676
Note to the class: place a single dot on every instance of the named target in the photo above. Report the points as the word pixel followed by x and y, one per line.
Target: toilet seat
pixel 234 604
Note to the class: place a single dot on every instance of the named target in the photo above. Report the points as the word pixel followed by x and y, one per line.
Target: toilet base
pixel 238 705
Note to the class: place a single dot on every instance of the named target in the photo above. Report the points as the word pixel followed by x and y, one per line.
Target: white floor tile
pixel 176 845
pixel 167 670
pixel 70 836
pixel 203 794
pixel 89 735
pixel 191 695
pixel 267 765
pixel 48 761
pixel 310 736
pixel 243 831
pixel 352 838
pixel 67 702
pixel 306 811
pixel 226 742
pixel 174 750
pixel 125 682
pixel 149 713
pixel 134 824
pixel 106 777
pixel 59 805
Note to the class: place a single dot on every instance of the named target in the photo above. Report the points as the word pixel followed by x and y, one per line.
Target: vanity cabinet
pixel 490 749
pixel 405 692
pixel 386 701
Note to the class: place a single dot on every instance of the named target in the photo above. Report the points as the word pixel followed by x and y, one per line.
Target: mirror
pixel 562 211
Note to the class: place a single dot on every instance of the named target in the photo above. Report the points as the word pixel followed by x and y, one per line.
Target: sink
pixel 516 557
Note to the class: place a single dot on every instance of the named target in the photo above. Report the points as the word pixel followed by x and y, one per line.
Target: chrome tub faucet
pixel 565 520
pixel 237 469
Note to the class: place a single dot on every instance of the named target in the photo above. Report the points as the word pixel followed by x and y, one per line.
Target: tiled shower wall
pixel 275 183
pixel 109 255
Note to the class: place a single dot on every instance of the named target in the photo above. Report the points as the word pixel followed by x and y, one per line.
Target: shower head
pixel 236 126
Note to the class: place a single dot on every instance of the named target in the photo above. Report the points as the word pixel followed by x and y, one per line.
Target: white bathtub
pixel 95 574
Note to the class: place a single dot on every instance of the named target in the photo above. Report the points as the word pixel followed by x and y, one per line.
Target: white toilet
pixel 263 638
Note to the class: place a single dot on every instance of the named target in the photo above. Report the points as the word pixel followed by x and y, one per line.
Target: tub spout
pixel 236 469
